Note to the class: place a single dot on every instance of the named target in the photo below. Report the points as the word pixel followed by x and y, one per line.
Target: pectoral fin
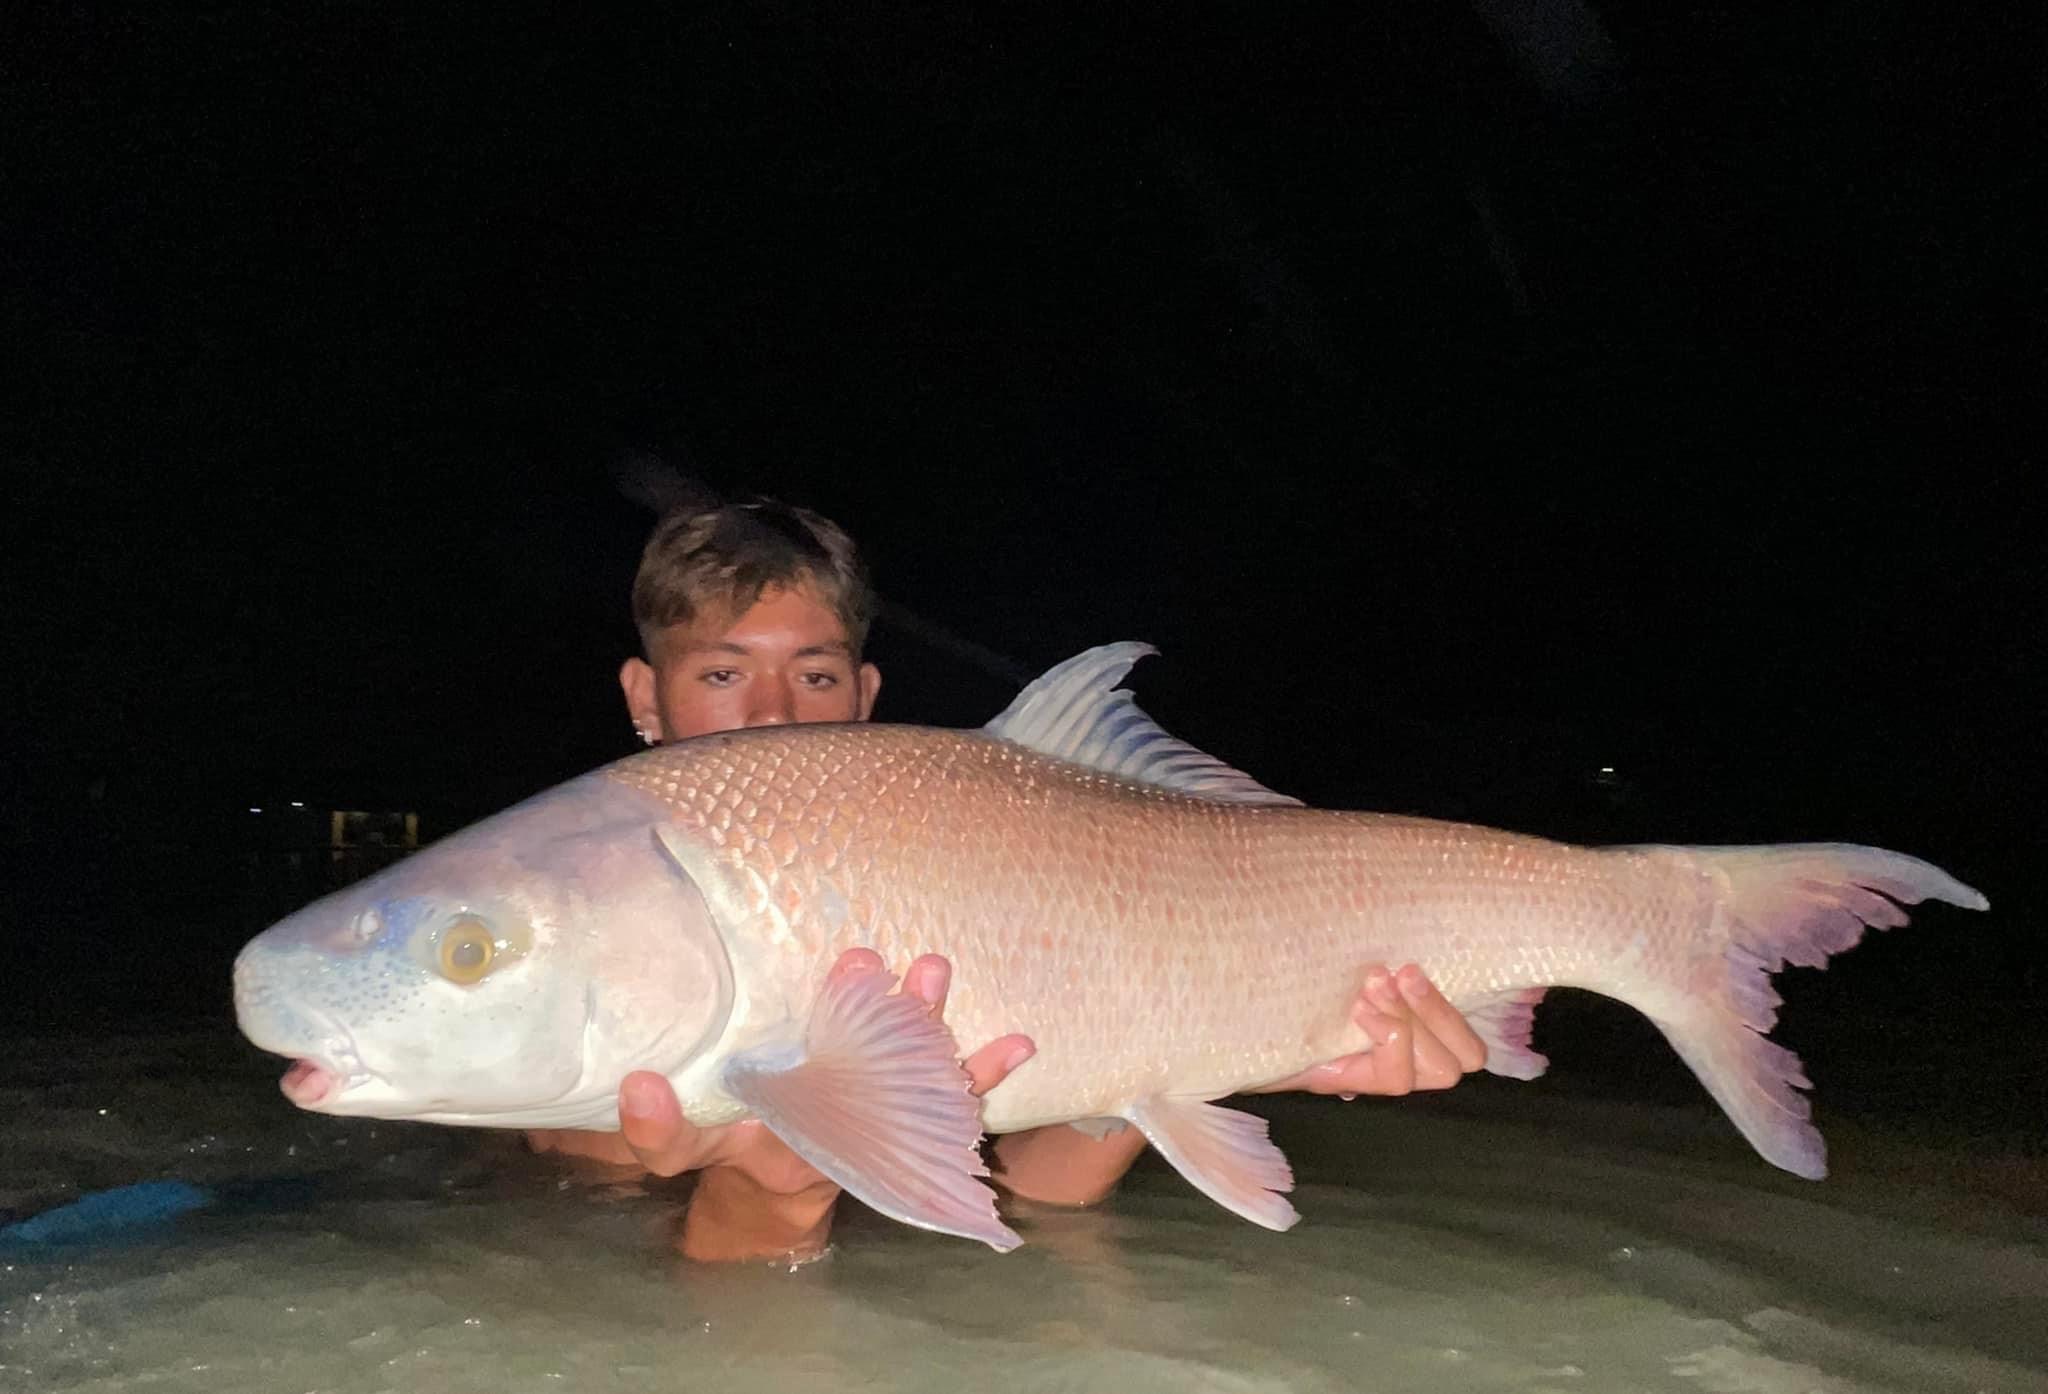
pixel 875 1098
pixel 1224 1153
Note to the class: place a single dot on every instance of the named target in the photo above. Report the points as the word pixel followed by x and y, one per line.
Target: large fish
pixel 1167 930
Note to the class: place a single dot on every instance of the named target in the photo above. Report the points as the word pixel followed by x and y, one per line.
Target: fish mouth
pixel 308 1083
pixel 319 1079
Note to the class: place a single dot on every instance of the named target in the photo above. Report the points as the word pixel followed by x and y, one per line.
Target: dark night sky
pixel 1453 436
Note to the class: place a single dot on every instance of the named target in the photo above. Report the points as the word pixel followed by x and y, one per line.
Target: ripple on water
pixel 1462 1251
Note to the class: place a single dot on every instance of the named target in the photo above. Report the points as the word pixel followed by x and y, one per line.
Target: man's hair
pixel 719 560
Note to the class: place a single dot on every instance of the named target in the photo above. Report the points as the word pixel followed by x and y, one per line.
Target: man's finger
pixel 1387 1020
pixel 991 1065
pixel 1346 1077
pixel 928 977
pixel 651 1122
pixel 1381 994
pixel 1436 1017
pixel 1434 1065
pixel 854 961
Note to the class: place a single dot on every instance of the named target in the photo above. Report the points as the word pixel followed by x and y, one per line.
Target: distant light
pixel 297 804
pixel 1607 769
pixel 255 810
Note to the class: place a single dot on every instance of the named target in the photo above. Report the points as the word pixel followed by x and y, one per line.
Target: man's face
pixel 786 659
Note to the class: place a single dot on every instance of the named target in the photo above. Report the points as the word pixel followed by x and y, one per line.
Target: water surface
pixel 1502 1237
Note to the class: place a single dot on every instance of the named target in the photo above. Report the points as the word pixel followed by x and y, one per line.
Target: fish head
pixel 509 975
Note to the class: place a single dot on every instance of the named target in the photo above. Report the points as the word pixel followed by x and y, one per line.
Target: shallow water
pixel 1502 1237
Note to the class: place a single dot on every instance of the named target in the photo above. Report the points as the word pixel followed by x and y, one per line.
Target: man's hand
pixel 1420 1041
pixel 757 1198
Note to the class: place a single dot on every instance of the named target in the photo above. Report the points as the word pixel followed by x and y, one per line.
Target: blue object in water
pixel 104 1214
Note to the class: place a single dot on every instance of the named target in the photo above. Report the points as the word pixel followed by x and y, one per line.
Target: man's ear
pixel 636 680
pixel 870 680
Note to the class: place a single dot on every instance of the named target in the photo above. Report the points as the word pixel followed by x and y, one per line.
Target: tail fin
pixel 1795 903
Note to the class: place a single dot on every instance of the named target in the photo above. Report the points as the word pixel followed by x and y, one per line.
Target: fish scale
pixel 1149 941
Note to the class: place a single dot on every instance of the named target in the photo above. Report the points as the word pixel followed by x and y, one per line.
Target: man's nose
pixel 770 704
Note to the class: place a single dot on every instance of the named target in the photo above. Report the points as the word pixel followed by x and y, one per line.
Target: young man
pixel 754 615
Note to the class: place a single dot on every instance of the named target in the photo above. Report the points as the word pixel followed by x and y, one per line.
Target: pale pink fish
pixel 1168 932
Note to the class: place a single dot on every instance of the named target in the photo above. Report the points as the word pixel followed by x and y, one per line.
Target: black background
pixel 1456 425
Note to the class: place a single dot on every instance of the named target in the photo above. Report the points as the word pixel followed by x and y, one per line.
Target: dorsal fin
pixel 1076 712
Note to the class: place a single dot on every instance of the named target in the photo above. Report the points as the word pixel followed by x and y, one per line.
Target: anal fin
pixel 1506 1021
pixel 1224 1154
pixel 874 1097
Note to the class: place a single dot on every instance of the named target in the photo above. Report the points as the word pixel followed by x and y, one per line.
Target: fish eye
pixel 468 950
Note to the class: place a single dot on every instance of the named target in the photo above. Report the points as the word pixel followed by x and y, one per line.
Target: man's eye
pixel 821 680
pixel 720 677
